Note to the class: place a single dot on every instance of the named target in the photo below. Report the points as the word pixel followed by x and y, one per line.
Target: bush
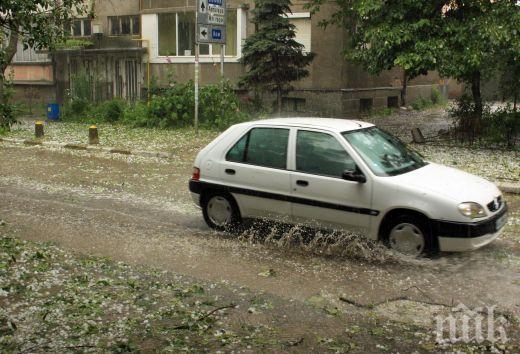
pixel 171 107
pixel 502 127
pixel 111 111
pixel 437 97
pixel 175 106
pixel 8 110
pixel 421 103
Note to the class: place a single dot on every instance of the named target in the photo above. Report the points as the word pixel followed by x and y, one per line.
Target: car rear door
pixel 255 170
pixel 320 196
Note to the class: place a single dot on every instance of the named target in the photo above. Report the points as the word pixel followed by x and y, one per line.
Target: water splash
pixel 336 244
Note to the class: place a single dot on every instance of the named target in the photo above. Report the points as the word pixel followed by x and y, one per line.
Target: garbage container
pixel 53 111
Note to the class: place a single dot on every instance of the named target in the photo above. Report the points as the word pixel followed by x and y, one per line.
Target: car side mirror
pixel 354 176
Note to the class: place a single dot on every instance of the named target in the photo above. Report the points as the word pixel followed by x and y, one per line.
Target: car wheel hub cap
pixel 220 211
pixel 407 239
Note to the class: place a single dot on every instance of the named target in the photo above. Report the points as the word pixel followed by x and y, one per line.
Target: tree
pixel 35 23
pixel 509 60
pixel 510 77
pixel 389 34
pixel 461 39
pixel 474 32
pixel 273 57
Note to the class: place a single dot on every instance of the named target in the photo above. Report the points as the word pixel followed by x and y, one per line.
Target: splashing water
pixel 318 242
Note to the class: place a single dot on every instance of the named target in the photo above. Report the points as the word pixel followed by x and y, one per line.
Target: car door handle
pixel 231 172
pixel 302 183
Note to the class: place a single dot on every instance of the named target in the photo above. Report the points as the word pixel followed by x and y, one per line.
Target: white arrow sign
pixel 203 33
pixel 203 6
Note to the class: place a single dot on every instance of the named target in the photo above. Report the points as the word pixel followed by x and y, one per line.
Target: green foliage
pixel 460 39
pixel 111 111
pixel 273 57
pixel 74 44
pixel 172 107
pixel 436 97
pixel 8 110
pixel 382 112
pixel 40 23
pixel 502 127
pixel 421 103
pixel 510 76
pixel 388 34
pixel 3 130
pixel 34 23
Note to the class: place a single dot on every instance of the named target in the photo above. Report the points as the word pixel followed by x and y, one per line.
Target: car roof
pixel 332 124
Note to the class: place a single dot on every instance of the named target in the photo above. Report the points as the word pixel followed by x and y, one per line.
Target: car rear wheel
pixel 221 212
pixel 411 236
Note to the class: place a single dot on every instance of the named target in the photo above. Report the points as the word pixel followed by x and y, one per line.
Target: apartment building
pixel 136 42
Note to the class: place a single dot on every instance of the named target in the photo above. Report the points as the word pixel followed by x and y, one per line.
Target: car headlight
pixel 472 210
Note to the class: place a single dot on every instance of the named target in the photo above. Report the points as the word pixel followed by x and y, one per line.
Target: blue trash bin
pixel 53 111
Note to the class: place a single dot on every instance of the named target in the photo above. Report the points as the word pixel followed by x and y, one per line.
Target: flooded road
pixel 139 212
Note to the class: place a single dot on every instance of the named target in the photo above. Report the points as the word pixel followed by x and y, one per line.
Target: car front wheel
pixel 411 236
pixel 221 212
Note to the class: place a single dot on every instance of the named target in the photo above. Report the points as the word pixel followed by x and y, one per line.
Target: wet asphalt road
pixel 139 211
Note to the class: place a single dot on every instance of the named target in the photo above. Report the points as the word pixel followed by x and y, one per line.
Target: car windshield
pixel 384 154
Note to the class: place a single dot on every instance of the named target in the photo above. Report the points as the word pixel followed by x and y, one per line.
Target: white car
pixel 346 175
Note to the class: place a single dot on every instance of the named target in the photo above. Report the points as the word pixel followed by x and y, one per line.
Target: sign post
pixel 211 29
pixel 197 75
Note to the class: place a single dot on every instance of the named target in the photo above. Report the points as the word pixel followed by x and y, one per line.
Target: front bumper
pixel 460 237
pixel 456 244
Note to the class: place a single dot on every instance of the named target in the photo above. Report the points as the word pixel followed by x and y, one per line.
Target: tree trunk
pixel 9 53
pixel 404 91
pixel 477 99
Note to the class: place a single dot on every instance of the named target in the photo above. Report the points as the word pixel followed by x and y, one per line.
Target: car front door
pixel 320 195
pixel 255 170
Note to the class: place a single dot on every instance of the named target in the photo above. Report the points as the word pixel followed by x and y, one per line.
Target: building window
pixel 177 35
pixel 124 25
pixel 393 102
pixel 293 104
pixel 81 28
pixel 366 104
pixel 303 24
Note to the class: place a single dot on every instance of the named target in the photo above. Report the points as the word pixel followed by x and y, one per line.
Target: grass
pixel 55 301
pixel 183 141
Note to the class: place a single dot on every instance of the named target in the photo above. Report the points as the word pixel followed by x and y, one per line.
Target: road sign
pixel 211 19
pixel 208 34
pixel 211 29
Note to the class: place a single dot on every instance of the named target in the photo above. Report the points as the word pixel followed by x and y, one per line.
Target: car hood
pixel 451 183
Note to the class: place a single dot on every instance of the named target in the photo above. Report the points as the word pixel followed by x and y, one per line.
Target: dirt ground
pixel 139 211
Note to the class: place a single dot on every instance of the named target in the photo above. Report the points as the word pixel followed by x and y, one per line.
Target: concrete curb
pixel 506 187
pixel 93 148
pixel 509 187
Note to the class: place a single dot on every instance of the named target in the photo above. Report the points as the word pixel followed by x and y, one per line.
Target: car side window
pixel 265 147
pixel 321 154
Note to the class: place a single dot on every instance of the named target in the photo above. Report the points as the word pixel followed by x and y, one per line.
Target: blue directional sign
pixel 216 34
pixel 211 21
pixel 211 34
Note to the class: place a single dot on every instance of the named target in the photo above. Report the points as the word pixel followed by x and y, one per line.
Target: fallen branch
pixel 295 343
pixel 372 305
pixel 202 318
pixel 394 299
